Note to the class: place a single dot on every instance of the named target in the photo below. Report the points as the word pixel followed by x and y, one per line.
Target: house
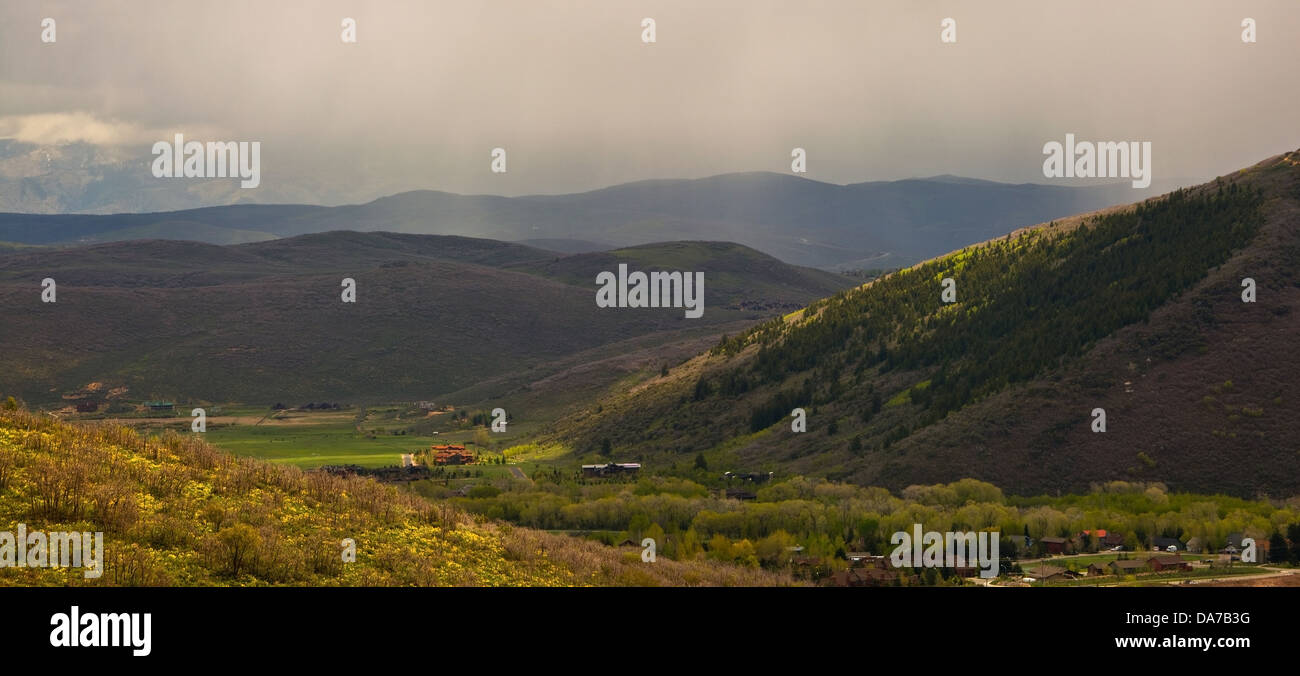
pixel 87 406
pixel 1105 539
pixel 1095 569
pixel 1127 566
pixel 451 454
pixel 160 405
pixel 1047 573
pixel 611 469
pixel 1234 545
pixel 1196 545
pixel 865 560
pixel 737 494
pixel 869 577
pixel 1020 542
pixel 1054 545
pixel 1166 563
pixel 753 477
pixel 1163 544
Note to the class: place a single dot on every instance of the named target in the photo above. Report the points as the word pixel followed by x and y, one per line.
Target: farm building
pixel 451 454
pixel 865 560
pixel 1048 573
pixel 1163 563
pixel 611 469
pixel 1127 566
pixel 1054 545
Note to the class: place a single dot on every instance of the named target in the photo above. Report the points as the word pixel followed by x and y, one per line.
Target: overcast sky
pixel 579 102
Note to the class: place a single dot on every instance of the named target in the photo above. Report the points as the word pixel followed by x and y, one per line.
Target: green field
pixel 317 444
pixel 1080 562
pixel 343 436
pixel 1156 579
pixel 310 439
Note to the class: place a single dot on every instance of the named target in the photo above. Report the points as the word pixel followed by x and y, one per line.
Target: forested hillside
pixel 901 387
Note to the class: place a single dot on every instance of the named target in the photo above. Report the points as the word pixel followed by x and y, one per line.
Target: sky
pixel 580 102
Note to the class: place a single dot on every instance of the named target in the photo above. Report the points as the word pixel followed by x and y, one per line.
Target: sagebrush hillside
pixel 175 511
pixel 1135 310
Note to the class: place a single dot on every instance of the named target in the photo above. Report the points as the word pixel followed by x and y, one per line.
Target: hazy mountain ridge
pixel 801 221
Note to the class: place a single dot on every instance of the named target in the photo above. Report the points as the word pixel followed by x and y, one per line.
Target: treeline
pixel 828 519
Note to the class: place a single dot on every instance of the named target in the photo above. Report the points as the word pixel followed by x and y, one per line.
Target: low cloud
pixel 82 127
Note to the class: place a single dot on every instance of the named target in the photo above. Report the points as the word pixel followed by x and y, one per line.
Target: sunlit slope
pixel 1134 310
pixel 175 511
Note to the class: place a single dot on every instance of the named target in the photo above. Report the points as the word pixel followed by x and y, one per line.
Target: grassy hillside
pixel 175 511
pixel 736 278
pixel 1136 310
pixel 264 323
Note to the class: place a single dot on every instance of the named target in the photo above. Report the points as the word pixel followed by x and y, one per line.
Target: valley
pixel 954 393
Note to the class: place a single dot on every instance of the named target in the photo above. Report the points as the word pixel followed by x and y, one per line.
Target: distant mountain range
pixel 87 178
pixel 872 225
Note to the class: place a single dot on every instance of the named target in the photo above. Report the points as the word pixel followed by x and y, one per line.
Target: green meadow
pixel 310 439
pixel 313 445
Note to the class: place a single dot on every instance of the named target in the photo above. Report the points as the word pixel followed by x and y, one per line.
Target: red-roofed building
pixel 451 454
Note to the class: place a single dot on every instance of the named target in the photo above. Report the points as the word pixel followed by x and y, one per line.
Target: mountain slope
pixel 175 511
pixel 800 221
pixel 1136 310
pixel 264 322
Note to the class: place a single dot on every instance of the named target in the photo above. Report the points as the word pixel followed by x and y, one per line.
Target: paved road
pixel 1276 572
pixel 519 474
